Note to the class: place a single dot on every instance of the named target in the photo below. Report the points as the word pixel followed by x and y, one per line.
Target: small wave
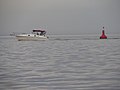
pixel 64 39
pixel 113 38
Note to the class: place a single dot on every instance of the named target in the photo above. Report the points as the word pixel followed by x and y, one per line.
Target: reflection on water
pixel 61 63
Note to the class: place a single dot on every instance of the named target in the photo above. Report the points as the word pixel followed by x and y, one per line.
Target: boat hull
pixel 30 38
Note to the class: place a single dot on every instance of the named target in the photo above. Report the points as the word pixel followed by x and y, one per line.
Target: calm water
pixel 61 63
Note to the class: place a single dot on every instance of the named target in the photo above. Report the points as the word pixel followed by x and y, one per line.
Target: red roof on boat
pixel 39 31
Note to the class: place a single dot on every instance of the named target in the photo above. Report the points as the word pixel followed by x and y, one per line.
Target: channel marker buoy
pixel 103 36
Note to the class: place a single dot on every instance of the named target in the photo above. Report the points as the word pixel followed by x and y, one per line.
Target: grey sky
pixel 60 16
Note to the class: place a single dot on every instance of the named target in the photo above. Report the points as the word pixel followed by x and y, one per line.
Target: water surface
pixel 61 63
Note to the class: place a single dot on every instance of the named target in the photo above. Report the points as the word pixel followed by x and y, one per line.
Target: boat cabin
pixel 39 32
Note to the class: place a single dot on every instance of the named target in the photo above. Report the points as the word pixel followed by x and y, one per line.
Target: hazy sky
pixel 60 16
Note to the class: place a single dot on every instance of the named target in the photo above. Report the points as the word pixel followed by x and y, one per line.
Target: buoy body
pixel 103 36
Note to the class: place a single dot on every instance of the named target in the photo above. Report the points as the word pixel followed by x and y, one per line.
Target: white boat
pixel 34 36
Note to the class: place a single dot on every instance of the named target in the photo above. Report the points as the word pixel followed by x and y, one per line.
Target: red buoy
pixel 103 36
